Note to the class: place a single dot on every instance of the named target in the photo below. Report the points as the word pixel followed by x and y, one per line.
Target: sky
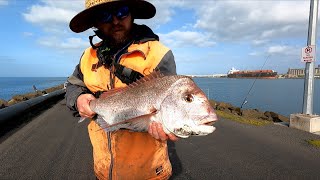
pixel 206 36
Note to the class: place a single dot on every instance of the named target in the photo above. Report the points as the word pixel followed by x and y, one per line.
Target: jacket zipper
pixel 111 154
pixel 112 86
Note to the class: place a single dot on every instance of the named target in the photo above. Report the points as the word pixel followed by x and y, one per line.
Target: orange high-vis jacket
pixel 124 154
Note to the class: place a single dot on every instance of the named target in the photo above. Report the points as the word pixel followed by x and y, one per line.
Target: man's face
pixel 118 30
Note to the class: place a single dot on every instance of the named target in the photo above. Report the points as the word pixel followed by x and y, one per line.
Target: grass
pixel 315 143
pixel 255 122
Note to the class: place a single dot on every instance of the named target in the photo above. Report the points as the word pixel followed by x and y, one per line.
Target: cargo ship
pixel 263 74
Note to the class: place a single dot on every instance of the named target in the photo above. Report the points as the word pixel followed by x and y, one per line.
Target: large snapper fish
pixel 175 101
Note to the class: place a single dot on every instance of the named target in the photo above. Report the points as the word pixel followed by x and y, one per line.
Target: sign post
pixel 308 54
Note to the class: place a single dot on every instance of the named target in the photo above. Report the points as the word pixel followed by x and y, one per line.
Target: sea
pixel 10 86
pixel 283 96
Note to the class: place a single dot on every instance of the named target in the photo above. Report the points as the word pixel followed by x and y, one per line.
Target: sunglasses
pixel 107 16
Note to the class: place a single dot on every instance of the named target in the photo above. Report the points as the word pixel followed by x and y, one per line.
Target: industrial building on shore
pixel 298 73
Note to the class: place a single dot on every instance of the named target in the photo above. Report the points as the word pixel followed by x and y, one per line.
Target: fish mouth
pixel 193 133
pixel 208 120
pixel 202 128
pixel 187 131
pixel 211 123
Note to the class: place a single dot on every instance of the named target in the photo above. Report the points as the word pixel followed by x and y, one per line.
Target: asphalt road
pixel 54 146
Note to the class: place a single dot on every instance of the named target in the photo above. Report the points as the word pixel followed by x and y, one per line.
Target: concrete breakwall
pixel 24 97
pixel 21 104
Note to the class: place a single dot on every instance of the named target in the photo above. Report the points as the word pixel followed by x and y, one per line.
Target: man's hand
pixel 156 131
pixel 83 105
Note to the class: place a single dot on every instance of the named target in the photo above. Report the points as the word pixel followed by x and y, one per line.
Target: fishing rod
pixel 245 99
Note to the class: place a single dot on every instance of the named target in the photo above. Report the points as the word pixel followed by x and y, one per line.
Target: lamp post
pixel 307 121
pixel 309 71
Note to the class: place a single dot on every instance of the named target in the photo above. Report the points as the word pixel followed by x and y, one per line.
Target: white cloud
pixel 186 38
pixel 4 2
pixel 258 42
pixel 164 12
pixel 245 20
pixel 39 15
pixel 284 50
pixel 259 22
pixel 74 43
pixel 67 44
pixel 52 13
pixel 53 18
pixel 254 54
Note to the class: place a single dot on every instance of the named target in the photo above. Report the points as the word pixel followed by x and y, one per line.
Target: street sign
pixel 308 54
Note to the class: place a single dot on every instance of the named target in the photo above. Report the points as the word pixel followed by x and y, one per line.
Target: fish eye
pixel 188 98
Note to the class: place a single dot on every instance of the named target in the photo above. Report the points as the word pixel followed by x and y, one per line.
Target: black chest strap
pixel 126 75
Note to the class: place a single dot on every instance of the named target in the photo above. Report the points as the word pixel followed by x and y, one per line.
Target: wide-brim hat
pixel 84 20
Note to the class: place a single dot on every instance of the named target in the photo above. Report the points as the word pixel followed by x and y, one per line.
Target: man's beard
pixel 119 40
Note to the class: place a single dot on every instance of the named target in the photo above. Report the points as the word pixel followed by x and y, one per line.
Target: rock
pixel 19 98
pixel 213 103
pixel 3 103
pixel 236 111
pixel 276 117
pixel 33 94
pixel 227 107
pixel 254 113
pixel 12 102
pixel 49 90
pixel 222 106
pixel 272 116
pixel 284 118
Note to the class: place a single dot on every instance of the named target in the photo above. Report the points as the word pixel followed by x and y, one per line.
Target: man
pixel 126 53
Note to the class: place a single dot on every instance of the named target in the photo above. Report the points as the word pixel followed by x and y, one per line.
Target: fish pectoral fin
pixel 138 123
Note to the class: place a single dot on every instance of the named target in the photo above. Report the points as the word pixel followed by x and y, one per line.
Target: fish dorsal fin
pixel 154 75
pixel 112 91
